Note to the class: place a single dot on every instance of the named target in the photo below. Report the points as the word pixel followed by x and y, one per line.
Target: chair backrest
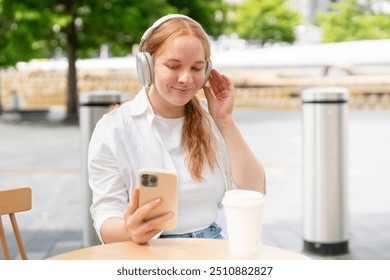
pixel 13 201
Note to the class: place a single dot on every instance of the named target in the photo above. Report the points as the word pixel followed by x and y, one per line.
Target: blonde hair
pixel 197 137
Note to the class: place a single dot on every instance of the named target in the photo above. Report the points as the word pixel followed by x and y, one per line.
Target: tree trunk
pixel 1 103
pixel 72 95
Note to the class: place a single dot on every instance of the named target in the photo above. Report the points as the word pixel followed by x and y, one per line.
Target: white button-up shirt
pixel 124 141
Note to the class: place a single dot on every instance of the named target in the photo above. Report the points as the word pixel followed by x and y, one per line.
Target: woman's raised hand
pixel 220 96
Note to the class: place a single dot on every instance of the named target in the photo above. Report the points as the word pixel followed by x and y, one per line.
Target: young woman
pixel 167 126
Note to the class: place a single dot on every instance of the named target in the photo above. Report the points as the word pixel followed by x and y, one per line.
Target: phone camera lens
pixel 153 180
pixel 145 180
pixel 149 180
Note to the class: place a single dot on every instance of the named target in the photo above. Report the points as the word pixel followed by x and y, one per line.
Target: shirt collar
pixel 140 104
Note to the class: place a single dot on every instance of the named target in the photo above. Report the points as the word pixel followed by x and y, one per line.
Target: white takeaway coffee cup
pixel 243 211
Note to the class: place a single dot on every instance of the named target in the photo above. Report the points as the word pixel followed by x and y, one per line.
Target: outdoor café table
pixel 173 249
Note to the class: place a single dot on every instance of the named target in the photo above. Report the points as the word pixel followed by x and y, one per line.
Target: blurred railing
pixel 366 91
pixel 39 89
pixel 42 89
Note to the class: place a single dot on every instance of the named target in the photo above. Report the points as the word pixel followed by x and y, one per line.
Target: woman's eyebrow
pixel 178 60
pixel 200 62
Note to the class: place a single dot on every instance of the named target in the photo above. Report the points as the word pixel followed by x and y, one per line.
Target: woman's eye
pixel 173 67
pixel 196 69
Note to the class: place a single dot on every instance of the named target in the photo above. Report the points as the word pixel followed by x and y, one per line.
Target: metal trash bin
pixel 93 105
pixel 325 126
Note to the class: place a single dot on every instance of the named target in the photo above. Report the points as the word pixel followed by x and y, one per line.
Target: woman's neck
pixel 161 107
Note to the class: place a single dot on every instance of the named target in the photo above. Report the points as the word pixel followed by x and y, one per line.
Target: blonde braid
pixel 197 139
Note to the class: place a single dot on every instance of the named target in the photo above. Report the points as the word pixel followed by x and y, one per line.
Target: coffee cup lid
pixel 242 198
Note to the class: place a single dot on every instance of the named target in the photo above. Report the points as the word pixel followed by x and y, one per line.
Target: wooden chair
pixel 11 202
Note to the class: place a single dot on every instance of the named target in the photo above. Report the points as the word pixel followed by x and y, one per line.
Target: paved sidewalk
pixel 45 155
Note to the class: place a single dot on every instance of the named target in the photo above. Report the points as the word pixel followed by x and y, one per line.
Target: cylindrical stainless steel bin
pixel 93 105
pixel 325 182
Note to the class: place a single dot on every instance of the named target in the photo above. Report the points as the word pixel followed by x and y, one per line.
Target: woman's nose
pixel 185 77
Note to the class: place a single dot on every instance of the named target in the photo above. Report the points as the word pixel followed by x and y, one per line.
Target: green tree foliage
pixel 78 28
pixel 17 37
pixel 35 29
pixel 211 14
pixel 352 20
pixel 266 21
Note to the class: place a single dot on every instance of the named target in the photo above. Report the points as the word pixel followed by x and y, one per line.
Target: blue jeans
pixel 213 232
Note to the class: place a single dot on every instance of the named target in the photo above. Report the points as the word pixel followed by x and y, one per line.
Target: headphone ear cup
pixel 145 68
pixel 209 67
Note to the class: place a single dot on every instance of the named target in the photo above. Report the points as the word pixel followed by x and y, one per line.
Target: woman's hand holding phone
pixel 139 229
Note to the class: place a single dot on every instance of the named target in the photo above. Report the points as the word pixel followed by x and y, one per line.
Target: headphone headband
pixel 160 21
pixel 163 19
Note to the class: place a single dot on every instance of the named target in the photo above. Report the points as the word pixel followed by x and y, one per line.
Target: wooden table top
pixel 173 249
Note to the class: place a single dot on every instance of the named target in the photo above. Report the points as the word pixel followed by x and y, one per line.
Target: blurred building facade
pixel 309 8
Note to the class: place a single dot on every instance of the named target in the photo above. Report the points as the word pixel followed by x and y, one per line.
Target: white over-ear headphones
pixel 144 59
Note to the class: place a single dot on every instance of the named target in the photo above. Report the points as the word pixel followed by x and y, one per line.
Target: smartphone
pixel 154 183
